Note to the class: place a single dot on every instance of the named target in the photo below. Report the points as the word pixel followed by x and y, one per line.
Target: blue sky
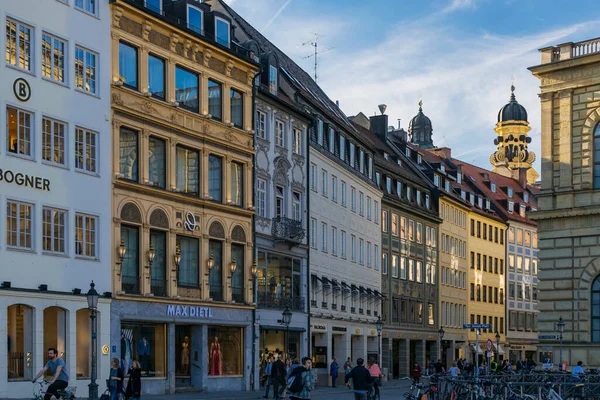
pixel 458 55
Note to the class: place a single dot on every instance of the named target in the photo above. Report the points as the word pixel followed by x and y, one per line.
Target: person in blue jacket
pixel 333 371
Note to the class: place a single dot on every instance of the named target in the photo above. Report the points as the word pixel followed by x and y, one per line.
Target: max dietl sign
pixel 20 179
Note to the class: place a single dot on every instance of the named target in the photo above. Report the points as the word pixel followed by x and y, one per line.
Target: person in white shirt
pixel 453 370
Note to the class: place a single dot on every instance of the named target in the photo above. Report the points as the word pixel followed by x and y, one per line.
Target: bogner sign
pixel 20 179
pixel 189 311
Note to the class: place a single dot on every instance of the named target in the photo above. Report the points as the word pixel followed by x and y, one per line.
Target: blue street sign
pixel 477 326
pixel 547 337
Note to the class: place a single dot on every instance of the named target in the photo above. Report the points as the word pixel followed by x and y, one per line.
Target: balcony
pixel 570 50
pixel 273 302
pixel 287 230
pixel 159 287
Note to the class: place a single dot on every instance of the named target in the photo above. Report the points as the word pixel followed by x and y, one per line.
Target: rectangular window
pixel 376 256
pixel 86 235
pixel 19 125
pixel 403 268
pixel 342 147
pixel 473 291
pixel 353 247
pixel 19 44
pixel 86 63
pixel 215 178
pixel 137 335
pixel 279 133
pixel 156 77
pixel 237 108
pixel 353 199
pixel 384 221
pixel 261 126
pixel 411 226
pixel 403 228
pixel 89 6
pixel 128 65
pixel 368 208
pixel 53 141
pixel 361 204
pixel 394 266
pixel 157 162
pixel 187 274
pixel 19 224
pixel 313 233
pixel 376 211
pixel 53 57
pixel 419 272
pixel 187 91
pixel 411 270
pixel 334 188
pixel 388 184
pixel 215 100
pixel 296 206
pixel 297 141
pixel 395 224
pixel 128 154
pixel 334 240
pixel 273 79
pixel 313 179
pixel 194 19
pixel 343 190
pixel 369 254
pixel 222 32
pixel 237 184
pixel 352 154
pixel 324 236
pixel 331 140
pixel 54 230
pixel 384 263
pixel 187 169
pixel 320 132
pixel 86 150
pixel 215 279
pixel 343 240
pixel 324 183
pixel 261 197
pixel 419 232
pixel 279 202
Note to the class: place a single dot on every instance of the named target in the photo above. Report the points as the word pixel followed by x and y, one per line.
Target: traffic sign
pixel 477 326
pixel 547 337
pixel 489 345
pixel 489 354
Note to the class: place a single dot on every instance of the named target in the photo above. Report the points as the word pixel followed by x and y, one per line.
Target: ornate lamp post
pixel 561 328
pixel 441 335
pixel 92 298
pixel 254 277
pixel 286 319
pixel 379 325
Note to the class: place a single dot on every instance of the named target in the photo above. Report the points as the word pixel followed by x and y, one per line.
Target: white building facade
pixel 345 248
pixel 55 192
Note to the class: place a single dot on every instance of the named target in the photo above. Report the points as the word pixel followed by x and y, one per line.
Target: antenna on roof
pixel 315 44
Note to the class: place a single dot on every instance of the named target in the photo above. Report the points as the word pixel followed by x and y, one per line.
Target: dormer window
pixel 386 156
pixel 522 210
pixel 194 19
pixel 399 162
pixel 525 197
pixel 273 80
pixel 511 207
pixel 388 184
pixel 509 191
pixel 463 195
pixel 480 202
pixel 370 166
pixel 331 140
pixel 352 154
pixel 493 187
pixel 447 185
pixel 407 152
pixel 378 179
pixel 442 168
pixel 399 189
pixel 487 204
pixel 361 161
pixel 472 198
pixel 320 132
pixel 419 159
pixel 418 197
pixel 409 193
pixel 458 177
pixel 222 31
pixel 342 147
pixel 427 202
pixel 154 5
pixel 436 180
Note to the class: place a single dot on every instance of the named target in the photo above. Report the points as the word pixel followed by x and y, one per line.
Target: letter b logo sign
pixel 21 89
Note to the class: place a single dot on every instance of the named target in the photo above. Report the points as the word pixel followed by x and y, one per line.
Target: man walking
pixel 333 371
pixel 300 388
pixel 268 370
pixel 278 373
pixel 361 380
pixel 60 378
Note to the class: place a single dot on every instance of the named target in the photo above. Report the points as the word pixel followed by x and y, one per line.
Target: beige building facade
pixel 182 198
pixel 569 202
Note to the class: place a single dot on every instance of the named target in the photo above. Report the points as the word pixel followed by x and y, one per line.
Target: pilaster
pixel 547 156
pixel 566 153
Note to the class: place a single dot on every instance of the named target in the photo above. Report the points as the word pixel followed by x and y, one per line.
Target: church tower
pixel 420 130
pixel 512 158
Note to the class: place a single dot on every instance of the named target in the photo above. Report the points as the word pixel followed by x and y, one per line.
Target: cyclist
pixel 60 377
pixel 376 374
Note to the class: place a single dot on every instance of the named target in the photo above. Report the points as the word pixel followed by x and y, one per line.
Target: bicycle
pixel 39 392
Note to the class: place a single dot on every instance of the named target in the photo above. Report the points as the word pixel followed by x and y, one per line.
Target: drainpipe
pixel 308 239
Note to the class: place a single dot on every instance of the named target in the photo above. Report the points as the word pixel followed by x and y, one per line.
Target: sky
pixel 459 56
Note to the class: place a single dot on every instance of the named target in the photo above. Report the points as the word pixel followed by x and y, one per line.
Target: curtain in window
pixel 129 154
pixel 131 261
pixel 215 177
pixel 188 267
pixel 158 272
pixel 216 275
pixel 237 281
pixel 237 177
pixel 187 169
pixel 215 106
pixel 156 161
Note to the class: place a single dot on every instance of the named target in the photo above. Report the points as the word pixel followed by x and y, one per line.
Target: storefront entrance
pixel 183 347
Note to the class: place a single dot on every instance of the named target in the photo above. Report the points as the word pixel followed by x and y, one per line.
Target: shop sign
pixel 20 179
pixel 320 327
pixel 338 328
pixel 189 311
pixel 21 89
pixel 190 222
pixel 105 349
pixel 358 331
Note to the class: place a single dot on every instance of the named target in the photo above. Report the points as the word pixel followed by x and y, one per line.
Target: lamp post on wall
pixel 441 335
pixel 92 298
pixel 497 346
pixel 151 256
pixel 286 319
pixel 254 278
pixel 379 325
pixel 232 268
pixel 561 328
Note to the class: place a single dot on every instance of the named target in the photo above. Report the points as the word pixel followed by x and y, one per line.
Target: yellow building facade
pixel 182 196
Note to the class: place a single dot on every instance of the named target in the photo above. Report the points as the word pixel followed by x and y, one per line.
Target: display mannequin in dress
pixel 216 367
pixel 185 356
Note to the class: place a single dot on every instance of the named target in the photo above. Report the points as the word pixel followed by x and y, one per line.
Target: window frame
pixel 273 80
pixel 261 197
pixel 137 69
pixel 240 123
pixel 297 144
pixel 52 226
pixel 217 39
pixel 84 243
pixel 30 129
pixel 32 46
pixel 19 222
pixel 82 89
pixel 85 4
pixel 52 146
pixel 208 88
pixel 65 58
pixel 279 133
pixel 164 76
pixel 187 17
pixel 84 159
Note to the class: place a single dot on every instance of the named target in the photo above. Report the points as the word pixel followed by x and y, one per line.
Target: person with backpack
pixel 361 380
pixel 278 374
pixel 299 384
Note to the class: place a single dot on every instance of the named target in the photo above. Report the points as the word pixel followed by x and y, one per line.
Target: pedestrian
pixel 361 380
pixel 347 366
pixel 453 370
pixel 416 373
pixel 134 384
pixel 304 376
pixel 268 369
pixel 375 372
pixel 438 367
pixel 578 370
pixel 333 371
pixel 278 374
pixel 115 382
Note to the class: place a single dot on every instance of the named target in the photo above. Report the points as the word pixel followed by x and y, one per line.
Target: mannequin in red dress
pixel 216 367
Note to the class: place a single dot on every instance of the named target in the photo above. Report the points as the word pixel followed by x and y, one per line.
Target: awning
pixel 498 349
pixel 336 285
pixel 480 350
pixel 354 288
pixel 326 282
pixel 345 287
pixel 362 290
pixel 313 276
pixel 369 292
pixel 281 328
pixel 379 294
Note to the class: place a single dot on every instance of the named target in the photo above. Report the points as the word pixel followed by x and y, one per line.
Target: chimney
pixel 444 152
pixel 337 103
pixel 379 123
pixel 523 177
pixel 399 127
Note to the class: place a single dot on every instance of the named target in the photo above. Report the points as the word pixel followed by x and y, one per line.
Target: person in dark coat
pixel 333 371
pixel 361 380
pixel 134 385
pixel 278 374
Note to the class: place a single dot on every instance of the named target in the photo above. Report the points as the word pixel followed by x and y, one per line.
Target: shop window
pixel 55 330
pixel 183 346
pixel 83 344
pixel 20 342
pixel 145 343
pixel 237 280
pixel 130 266
pixel 225 353
pixel 216 275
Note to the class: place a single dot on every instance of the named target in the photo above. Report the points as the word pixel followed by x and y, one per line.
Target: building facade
pixel 569 211
pixel 183 146
pixel 54 190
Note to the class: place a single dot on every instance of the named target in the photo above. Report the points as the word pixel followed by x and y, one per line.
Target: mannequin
pixel 143 350
pixel 185 356
pixel 215 361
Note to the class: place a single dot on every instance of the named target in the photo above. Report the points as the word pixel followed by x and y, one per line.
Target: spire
pixel 421 105
pixel 513 99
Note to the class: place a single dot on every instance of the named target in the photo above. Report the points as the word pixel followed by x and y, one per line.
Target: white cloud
pixel 458 4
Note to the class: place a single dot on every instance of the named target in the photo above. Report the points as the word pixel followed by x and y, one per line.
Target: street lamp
pixel 497 346
pixel 254 277
pixel 379 325
pixel 92 298
pixel 121 251
pixel 561 329
pixel 232 266
pixel 177 257
pixel 441 334
pixel 286 319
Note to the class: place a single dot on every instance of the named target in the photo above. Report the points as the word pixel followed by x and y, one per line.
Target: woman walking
pixel 134 385
pixel 115 382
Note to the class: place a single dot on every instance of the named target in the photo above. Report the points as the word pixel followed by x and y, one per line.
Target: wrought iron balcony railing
pixel 279 303
pixel 287 229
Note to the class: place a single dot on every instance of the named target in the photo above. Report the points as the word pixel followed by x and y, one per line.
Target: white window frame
pixel 261 197
pixel 369 255
pixel 324 234
pixel 376 257
pixel 280 197
pixel 403 267
pixel 31 58
pixel 187 15
pixel 409 193
pixel 324 183
pixel 65 62
pixel 388 184
pixel 353 248
pixel 343 189
pixel 86 218
pixel 30 129
pixel 19 223
pixel 261 124
pixel 297 145
pixel 84 69
pixel 52 144
pixel 493 187
pixel 395 263
pixel 361 251
pixel 273 79
pixel 399 189
pixel 361 204
pixel 353 199
pixel 342 147
pixel 334 240
pixel 297 206
pixel 84 5
pixel 313 175
pixel 334 188
pixel 52 228
pixel 427 203
pixel 511 207
pixel 361 161
pixel 343 240
pixel 279 133
pixel 331 140
pixel 510 192
pixel 352 154
pixel 85 145
pixel 526 197
pixel 228 30
pixel 313 233
pixel 418 197
pixel 320 132
pixel 369 211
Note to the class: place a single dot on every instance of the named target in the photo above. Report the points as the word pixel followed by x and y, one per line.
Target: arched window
pixel 55 330
pixel 596 310
pixel 20 342
pixel 597 157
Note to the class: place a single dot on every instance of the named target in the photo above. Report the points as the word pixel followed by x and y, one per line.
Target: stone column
pixel 145 272
pixel 171 268
pixel 203 356
pixel 171 367
pixel 248 110
pixel 226 103
pixel 420 355
pixel 171 166
pixel 204 173
pixel 204 94
pixel 226 179
pixel 405 367
pixel 227 280
pixel 548 129
pixel 204 256
pixel 114 50
pixel 143 70
pixel 170 81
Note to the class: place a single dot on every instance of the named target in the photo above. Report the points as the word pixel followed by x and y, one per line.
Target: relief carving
pixel 564 76
pixel 186 48
pixel 116 99
pixel 262 222
pixel 281 166
pixel 228 67
pixel 174 41
pixel 117 14
pixel 146 28
pixel 206 56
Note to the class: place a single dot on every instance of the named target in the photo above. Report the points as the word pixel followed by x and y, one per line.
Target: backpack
pixel 295 383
